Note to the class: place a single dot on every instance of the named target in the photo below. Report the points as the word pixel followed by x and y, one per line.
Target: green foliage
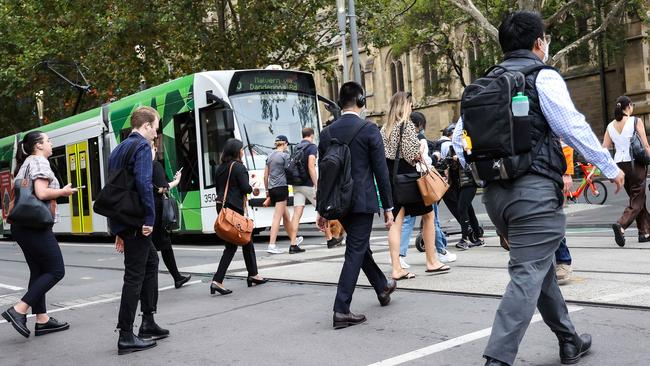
pixel 178 37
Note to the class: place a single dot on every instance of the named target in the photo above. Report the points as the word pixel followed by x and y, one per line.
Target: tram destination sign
pixel 271 80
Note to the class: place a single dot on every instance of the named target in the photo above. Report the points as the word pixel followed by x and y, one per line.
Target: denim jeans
pixel 441 239
pixel 562 254
pixel 407 230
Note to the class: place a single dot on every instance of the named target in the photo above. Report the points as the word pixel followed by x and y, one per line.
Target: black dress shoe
pixel 492 362
pixel 128 343
pixel 252 280
pixel 18 320
pixel 572 348
pixel 149 330
pixel 52 326
pixel 384 296
pixel 643 238
pixel 221 290
pixel 182 281
pixel 341 320
pixel 334 242
pixel 619 237
pixel 293 249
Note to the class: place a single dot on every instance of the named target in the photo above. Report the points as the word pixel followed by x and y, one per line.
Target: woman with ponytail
pixel 41 250
pixel 619 133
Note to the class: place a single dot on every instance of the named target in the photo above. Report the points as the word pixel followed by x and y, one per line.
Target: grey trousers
pixel 529 212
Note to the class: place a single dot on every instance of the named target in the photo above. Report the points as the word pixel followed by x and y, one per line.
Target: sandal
pixel 406 276
pixel 443 268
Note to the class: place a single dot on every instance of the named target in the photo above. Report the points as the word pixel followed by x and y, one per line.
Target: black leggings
pixel 170 262
pixel 466 211
pixel 229 253
pixel 45 261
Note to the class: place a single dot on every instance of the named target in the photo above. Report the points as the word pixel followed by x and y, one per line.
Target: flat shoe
pixel 618 235
pixel 406 276
pixel 52 326
pixel 443 268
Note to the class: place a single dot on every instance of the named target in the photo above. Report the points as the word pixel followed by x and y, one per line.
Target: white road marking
pixel 622 295
pixel 10 287
pixel 102 301
pixel 438 347
pixel 113 246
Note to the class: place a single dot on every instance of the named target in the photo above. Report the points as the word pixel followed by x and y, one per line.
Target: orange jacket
pixel 568 156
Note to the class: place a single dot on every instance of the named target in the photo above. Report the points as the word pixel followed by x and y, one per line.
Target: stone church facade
pixel 438 96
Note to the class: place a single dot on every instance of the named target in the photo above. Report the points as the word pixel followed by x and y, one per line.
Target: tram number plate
pixel 209 198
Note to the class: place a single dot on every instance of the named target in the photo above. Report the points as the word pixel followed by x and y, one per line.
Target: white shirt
pixel 565 121
pixel 622 140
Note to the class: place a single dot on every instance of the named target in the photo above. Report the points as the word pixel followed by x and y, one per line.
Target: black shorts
pixel 278 194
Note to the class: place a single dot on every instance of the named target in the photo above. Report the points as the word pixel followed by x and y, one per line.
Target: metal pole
pixel 354 41
pixel 340 5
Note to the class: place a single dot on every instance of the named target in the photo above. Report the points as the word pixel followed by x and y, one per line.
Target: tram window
pixel 93 158
pixel 213 137
pixel 186 155
pixel 58 162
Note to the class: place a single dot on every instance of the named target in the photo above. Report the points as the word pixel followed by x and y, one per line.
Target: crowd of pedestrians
pixel 526 210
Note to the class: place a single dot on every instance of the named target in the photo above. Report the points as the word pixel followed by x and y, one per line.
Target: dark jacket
pixel 238 187
pixel 549 162
pixel 368 163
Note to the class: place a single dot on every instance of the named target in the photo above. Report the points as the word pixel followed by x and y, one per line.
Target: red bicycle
pixel 595 191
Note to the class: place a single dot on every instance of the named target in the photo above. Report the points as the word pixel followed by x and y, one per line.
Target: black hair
pixel 26 147
pixel 231 150
pixel 419 120
pixel 622 103
pixel 349 93
pixel 520 30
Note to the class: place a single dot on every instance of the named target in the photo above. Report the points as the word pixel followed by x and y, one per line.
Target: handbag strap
pixel 399 146
pixel 225 193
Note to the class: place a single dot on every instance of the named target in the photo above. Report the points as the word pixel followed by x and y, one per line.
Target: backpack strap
pixel 129 154
pixel 399 147
pixel 536 67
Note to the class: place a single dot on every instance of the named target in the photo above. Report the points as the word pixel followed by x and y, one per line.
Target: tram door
pixel 79 175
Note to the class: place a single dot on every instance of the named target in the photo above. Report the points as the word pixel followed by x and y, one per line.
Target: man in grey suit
pixel 528 210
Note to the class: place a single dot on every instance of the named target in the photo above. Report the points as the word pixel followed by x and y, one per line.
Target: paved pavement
pixel 433 319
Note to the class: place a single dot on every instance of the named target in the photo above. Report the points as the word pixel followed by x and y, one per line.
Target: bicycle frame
pixel 589 171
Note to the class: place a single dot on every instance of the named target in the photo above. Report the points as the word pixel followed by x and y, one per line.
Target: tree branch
pixel 607 21
pixel 469 7
pixel 550 21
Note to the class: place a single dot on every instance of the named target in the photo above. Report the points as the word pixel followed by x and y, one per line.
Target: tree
pixel 173 38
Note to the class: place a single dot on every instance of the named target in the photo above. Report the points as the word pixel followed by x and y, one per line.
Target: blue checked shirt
pixel 565 121
pixel 142 166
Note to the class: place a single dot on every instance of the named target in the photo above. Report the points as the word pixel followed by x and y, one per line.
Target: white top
pixel 622 140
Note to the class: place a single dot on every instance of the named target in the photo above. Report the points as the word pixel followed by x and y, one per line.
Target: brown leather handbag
pixel 432 185
pixel 230 225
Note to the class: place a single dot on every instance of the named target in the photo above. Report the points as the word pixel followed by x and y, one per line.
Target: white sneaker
pixel 299 240
pixel 274 250
pixel 403 263
pixel 448 257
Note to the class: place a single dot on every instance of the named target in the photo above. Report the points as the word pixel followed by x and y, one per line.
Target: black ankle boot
pixel 573 347
pixel 149 330
pixel 128 343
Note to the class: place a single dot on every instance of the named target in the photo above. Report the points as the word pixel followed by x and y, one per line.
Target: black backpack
pixel 296 166
pixel 119 199
pixel 501 145
pixel 335 183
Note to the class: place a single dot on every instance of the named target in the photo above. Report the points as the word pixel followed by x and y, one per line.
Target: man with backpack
pixel 511 143
pixel 351 157
pixel 140 256
pixel 301 173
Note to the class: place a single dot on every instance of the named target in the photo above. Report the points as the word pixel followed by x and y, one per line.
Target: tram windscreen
pixel 262 113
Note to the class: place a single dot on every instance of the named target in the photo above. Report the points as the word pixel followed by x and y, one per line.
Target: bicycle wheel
pixel 593 198
pixel 419 243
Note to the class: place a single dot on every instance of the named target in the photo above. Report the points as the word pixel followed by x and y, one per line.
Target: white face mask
pixel 546 45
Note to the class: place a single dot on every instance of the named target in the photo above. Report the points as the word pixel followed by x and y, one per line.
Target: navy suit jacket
pixel 368 162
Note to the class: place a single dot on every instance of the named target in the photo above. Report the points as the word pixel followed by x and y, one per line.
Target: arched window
pixel 333 89
pixel 430 74
pixel 397 76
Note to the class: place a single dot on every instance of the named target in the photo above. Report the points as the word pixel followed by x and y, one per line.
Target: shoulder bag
pixel 170 214
pixel 432 185
pixel 637 151
pixel 25 209
pixel 405 186
pixel 230 226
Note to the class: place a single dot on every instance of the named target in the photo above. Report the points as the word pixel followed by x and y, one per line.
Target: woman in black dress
pixel 238 188
pixel 161 238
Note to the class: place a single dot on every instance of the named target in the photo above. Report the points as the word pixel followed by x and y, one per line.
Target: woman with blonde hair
pixel 400 133
pixel 277 194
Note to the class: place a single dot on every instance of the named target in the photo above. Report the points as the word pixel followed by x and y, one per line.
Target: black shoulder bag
pixel 405 186
pixel 26 209
pixel 637 151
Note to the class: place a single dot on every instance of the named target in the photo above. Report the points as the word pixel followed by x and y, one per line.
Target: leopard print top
pixel 410 149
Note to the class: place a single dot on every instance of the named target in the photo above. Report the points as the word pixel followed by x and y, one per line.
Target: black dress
pixel 411 209
pixel 160 237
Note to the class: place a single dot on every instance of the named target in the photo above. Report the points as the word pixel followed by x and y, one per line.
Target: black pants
pixel 228 253
pixel 358 256
pixel 140 278
pixel 43 256
pixel 451 201
pixel 466 210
